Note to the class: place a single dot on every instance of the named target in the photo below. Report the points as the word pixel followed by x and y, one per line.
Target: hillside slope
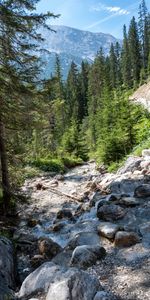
pixel 142 96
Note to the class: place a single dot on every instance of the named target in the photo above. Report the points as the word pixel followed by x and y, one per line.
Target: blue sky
pixel 106 16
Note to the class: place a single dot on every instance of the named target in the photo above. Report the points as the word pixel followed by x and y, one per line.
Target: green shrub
pixel 48 165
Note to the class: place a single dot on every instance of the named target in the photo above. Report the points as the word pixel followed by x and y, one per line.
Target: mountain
pixel 72 45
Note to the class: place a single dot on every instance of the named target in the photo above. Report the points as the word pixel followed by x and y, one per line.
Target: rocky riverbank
pixel 84 235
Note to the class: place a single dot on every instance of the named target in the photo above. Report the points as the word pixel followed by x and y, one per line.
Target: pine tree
pixel 113 67
pixel 83 86
pixel 144 32
pixel 18 66
pixel 125 61
pixel 134 50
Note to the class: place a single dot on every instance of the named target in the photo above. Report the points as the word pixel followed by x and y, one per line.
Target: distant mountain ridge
pixel 73 44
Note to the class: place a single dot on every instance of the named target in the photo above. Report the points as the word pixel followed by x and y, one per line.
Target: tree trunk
pixel 4 168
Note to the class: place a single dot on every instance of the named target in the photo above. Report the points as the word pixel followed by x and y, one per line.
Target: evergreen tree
pixel 134 50
pixel 83 86
pixel 144 32
pixel 18 66
pixel 125 61
pixel 113 67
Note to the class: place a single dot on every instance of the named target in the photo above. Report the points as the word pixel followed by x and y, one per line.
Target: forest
pixel 52 125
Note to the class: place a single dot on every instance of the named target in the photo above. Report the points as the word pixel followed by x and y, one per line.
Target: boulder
pixel 48 248
pixel 6 269
pixel 86 256
pixel 131 164
pixel 59 283
pixel 108 230
pixel 142 191
pixel 39 280
pixel 64 213
pixel 96 196
pixel 126 239
pixel 74 285
pixel 129 201
pixel 110 212
pixel 84 238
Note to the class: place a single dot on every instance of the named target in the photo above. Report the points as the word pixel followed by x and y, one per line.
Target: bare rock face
pixel 142 191
pixel 110 212
pixel 6 269
pixel 48 248
pixel 126 239
pixel 86 256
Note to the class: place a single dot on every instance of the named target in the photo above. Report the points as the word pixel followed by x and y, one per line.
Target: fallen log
pixel 55 191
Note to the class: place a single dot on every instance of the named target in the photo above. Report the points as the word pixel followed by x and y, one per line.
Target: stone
pixel 37 260
pixel 110 212
pixel 48 248
pixel 32 222
pixel 145 164
pixel 85 256
pixel 58 226
pixel 129 201
pixel 7 272
pixel 74 285
pixel 59 283
pixel 131 164
pixel 146 152
pixel 39 280
pixel 108 230
pixel 102 295
pixel 142 191
pixel 64 213
pixel 95 197
pixel 126 239
pixel 84 238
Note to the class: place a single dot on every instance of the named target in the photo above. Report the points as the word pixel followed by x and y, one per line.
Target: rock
pixel 95 197
pixel 60 283
pixel 39 280
pixel 102 295
pixel 131 164
pixel 58 226
pixel 110 212
pixel 74 285
pixel 129 201
pixel 126 239
pixel 84 238
pixel 7 272
pixel 60 177
pixel 37 260
pixel 146 152
pixel 86 255
pixel 145 164
pixel 108 230
pixel 63 258
pixel 64 213
pixel 32 222
pixel 48 248
pixel 142 191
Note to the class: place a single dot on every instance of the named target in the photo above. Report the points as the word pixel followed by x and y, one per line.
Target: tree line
pixel 88 115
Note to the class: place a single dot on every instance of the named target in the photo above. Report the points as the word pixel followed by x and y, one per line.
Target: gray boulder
pixel 6 269
pixel 132 164
pixel 86 256
pixel 142 191
pixel 39 280
pixel 84 238
pixel 108 230
pixel 74 285
pixel 110 212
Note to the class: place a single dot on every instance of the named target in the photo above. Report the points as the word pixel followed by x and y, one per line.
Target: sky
pixel 107 16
